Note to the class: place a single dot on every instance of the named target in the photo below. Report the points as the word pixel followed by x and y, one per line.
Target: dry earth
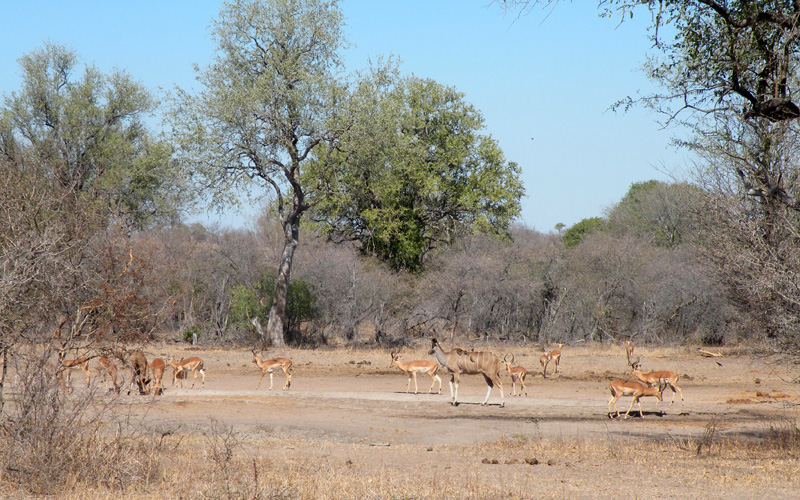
pixel 349 407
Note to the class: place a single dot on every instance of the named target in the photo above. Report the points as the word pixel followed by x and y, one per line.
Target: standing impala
pixel 411 369
pixel 653 378
pixel 544 361
pixel 108 368
pixel 272 365
pixel 157 369
pixel 186 365
pixel 68 365
pixel 555 355
pixel 629 352
pixel 517 374
pixel 621 388
pixel 460 362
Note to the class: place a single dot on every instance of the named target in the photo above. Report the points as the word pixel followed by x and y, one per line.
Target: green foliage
pixel 657 212
pixel 256 301
pixel 413 172
pixel 88 130
pixel 267 99
pixel 190 332
pixel 576 233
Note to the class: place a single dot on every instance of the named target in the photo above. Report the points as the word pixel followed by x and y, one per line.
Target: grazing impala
pixel 273 365
pixel 157 369
pixel 411 369
pixel 653 378
pixel 139 377
pixel 517 374
pixel 621 388
pixel 108 368
pixel 555 355
pixel 460 362
pixel 186 365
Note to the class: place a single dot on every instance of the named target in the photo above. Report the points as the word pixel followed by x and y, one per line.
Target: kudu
pixel 460 362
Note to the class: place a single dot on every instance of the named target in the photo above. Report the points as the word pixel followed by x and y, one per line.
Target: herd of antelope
pixel 459 362
pixel 147 377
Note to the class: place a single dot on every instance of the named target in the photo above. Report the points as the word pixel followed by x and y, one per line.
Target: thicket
pixel 629 278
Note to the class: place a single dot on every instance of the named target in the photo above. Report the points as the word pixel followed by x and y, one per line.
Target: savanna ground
pixel 347 429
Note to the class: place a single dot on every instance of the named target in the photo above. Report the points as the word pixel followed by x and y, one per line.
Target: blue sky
pixel 544 81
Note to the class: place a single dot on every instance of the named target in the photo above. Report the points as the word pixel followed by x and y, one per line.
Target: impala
pixel 273 365
pixel 653 378
pixel 185 365
pixel 50 370
pixel 517 374
pixel 460 362
pixel 629 351
pixel 108 368
pixel 555 355
pixel 69 364
pixel 621 388
pixel 544 361
pixel 411 368
pixel 139 373
pixel 157 369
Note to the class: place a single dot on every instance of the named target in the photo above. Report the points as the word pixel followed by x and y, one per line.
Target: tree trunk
pixel 277 314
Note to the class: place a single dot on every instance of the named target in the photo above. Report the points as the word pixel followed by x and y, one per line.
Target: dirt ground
pixel 349 407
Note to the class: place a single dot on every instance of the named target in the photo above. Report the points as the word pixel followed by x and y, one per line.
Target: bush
pixel 51 443
pixel 190 332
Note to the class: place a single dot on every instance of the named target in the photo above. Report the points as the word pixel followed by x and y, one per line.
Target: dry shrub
pixel 52 441
pixel 784 435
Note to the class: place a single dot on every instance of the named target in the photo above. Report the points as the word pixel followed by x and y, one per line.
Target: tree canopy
pixel 268 100
pixel 88 131
pixel 413 172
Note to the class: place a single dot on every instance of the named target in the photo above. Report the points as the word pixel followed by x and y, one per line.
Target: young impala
pixel 411 368
pixel 621 388
pixel 653 378
pixel 272 365
pixel 194 365
pixel 517 374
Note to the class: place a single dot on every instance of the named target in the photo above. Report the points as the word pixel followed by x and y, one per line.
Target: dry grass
pixel 95 460
pixel 220 466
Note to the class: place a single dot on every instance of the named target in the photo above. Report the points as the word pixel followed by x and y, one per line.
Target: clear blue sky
pixel 544 81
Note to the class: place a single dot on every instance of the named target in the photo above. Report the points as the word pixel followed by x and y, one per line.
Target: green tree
pixel 663 214
pixel 266 104
pixel 256 302
pixel 88 131
pixel 728 72
pixel 413 172
pixel 577 232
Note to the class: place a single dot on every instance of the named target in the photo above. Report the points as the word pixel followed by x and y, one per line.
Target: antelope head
pixel 507 362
